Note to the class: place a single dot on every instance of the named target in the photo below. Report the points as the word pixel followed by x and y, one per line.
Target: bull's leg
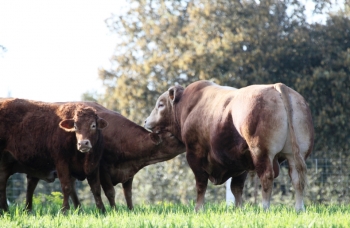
pixel 298 186
pixel 127 188
pixel 73 194
pixel 108 188
pixel 32 182
pixel 237 184
pixel 201 178
pixel 95 185
pixel 264 169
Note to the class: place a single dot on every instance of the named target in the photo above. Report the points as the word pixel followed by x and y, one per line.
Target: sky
pixel 54 48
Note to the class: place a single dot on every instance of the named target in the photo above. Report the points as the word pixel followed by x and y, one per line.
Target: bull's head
pixel 162 116
pixel 85 124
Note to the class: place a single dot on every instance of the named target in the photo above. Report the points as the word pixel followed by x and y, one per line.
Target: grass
pixel 175 215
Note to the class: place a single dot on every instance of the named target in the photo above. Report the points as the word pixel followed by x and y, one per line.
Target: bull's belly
pixel 220 178
pixel 220 171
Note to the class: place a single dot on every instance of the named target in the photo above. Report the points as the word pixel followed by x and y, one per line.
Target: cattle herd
pixel 225 132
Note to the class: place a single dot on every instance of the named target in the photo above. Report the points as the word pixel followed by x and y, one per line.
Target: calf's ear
pixel 175 93
pixel 67 125
pixel 101 123
pixel 155 138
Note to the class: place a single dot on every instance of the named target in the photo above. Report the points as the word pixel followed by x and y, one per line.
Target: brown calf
pixel 128 148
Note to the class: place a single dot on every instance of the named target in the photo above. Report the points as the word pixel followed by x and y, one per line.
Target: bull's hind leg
pixel 297 183
pixel 237 184
pixel 264 169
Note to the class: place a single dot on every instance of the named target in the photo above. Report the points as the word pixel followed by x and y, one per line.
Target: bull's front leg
pixel 237 184
pixel 201 178
pixel 32 182
pixel 127 189
pixel 95 185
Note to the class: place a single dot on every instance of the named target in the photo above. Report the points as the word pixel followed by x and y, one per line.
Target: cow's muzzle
pixel 84 146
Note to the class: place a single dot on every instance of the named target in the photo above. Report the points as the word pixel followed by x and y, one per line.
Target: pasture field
pixel 175 215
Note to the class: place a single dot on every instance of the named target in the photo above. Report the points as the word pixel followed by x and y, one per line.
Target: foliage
pixel 178 215
pixel 234 43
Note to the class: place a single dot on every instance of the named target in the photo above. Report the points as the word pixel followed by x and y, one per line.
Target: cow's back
pixel 31 132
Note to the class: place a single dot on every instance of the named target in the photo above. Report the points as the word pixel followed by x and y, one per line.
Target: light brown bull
pixel 228 132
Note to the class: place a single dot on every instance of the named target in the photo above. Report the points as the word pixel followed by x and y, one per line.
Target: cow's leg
pixel 237 184
pixel 108 188
pixel 95 185
pixel 264 169
pixel 4 175
pixel 73 194
pixel 298 186
pixel 201 178
pixel 127 188
pixel 63 174
pixel 32 182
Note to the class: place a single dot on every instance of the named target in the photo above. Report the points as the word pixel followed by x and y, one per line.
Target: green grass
pixel 175 215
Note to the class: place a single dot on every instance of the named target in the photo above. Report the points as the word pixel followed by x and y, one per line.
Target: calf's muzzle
pixel 84 145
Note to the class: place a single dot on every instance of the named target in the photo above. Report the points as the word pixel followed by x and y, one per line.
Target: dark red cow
pixel 228 132
pixel 128 148
pixel 44 137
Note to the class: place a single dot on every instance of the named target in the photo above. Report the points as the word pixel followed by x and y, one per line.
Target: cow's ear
pixel 155 138
pixel 101 123
pixel 67 125
pixel 175 93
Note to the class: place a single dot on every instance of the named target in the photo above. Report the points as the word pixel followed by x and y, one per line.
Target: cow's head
pixel 86 125
pixel 162 116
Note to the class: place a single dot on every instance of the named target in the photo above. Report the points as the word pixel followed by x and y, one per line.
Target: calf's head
pixel 86 125
pixel 162 117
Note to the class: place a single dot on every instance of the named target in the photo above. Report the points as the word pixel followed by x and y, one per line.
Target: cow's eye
pixel 93 126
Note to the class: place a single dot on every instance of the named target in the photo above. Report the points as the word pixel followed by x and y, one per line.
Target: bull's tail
pixel 299 160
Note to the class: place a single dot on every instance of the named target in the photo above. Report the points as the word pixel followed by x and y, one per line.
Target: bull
pixel 229 132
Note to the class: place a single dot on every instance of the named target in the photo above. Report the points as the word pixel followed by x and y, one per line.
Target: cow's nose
pixel 84 145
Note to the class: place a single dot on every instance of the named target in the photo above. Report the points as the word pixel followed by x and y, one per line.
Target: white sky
pixel 54 47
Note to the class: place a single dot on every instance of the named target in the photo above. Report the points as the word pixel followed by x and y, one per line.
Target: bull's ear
pixel 155 138
pixel 175 93
pixel 67 125
pixel 101 123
